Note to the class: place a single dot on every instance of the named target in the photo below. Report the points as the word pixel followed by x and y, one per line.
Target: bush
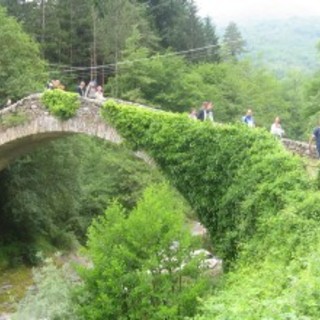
pixel 63 105
pixel 136 271
pixel 16 254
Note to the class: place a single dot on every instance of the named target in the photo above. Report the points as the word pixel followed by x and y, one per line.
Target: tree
pixel 118 22
pixel 156 79
pixel 233 44
pixel 82 175
pixel 212 40
pixel 180 28
pixel 22 71
pixel 142 267
pixel 132 73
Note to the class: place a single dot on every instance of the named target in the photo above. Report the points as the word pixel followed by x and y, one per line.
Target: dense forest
pixel 160 53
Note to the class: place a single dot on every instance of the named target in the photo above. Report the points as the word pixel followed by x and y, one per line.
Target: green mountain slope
pixel 283 44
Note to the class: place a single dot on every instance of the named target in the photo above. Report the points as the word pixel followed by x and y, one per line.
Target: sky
pixel 224 11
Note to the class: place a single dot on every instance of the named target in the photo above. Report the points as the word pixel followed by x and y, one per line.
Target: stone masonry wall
pixel 301 148
pixel 40 126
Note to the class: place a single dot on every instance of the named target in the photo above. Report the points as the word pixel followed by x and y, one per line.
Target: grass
pixel 13 286
pixel 312 167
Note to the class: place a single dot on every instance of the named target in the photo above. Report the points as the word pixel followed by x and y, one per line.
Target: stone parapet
pixel 301 148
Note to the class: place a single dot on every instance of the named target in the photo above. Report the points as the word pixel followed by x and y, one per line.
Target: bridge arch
pixel 36 126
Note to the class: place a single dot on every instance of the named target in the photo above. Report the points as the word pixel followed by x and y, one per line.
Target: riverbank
pixel 13 285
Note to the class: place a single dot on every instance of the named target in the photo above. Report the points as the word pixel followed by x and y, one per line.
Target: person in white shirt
pixel 91 90
pixel 276 128
pixel 99 93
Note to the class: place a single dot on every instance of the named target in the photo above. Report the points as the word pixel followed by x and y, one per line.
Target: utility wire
pixel 128 62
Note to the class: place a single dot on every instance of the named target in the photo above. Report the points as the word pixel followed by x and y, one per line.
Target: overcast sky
pixel 223 11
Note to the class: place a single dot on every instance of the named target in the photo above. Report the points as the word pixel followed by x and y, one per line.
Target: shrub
pixel 136 271
pixel 15 254
pixel 63 105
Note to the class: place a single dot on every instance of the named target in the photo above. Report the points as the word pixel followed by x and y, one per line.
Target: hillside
pixel 283 44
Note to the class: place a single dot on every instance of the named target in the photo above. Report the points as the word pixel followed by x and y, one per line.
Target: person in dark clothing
pixel 206 112
pixel 203 112
pixel 315 136
pixel 81 89
pixel 248 119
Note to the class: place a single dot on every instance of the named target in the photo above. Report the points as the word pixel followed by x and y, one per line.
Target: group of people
pixel 55 84
pixel 92 90
pixel 206 114
pixel 276 128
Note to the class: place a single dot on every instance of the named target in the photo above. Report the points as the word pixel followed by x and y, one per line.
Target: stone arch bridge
pixel 28 124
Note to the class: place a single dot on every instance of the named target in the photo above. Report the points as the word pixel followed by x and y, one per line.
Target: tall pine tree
pixel 233 44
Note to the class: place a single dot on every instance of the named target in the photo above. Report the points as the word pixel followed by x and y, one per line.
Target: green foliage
pixel 29 210
pixel 109 172
pixel 137 259
pixel 214 167
pixel 170 82
pixel 22 71
pixel 63 105
pixel 180 27
pixel 281 282
pixel 71 32
pixel 126 37
pixel 51 195
pixel 311 107
pixel 256 200
pixel 12 119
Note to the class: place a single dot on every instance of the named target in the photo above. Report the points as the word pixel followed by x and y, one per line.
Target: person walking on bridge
pixel 276 128
pixel 91 90
pixel 315 136
pixel 248 119
pixel 81 89
pixel 206 112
